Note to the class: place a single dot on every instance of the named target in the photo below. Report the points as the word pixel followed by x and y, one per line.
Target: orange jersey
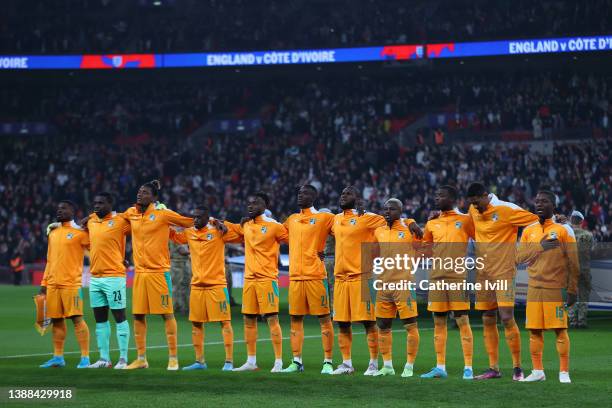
pixel 207 252
pixel 262 238
pixel 150 234
pixel 556 268
pixel 107 237
pixel 390 242
pixel 65 254
pixel 496 232
pixel 350 231
pixel 448 236
pixel 308 231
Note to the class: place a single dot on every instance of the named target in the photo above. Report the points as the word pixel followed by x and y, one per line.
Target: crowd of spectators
pixel 327 133
pixel 78 26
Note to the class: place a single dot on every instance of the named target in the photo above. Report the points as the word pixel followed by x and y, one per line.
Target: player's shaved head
pixel 395 201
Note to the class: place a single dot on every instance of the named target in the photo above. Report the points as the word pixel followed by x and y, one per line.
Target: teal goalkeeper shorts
pixel 107 292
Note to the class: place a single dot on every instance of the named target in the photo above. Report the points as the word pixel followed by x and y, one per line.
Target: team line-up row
pixel 552 268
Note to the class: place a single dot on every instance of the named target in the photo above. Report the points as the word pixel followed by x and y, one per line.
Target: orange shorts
pixel 309 297
pixel 260 297
pixel 350 303
pixel 491 299
pixel 64 302
pixel 209 304
pixel 447 300
pixel 388 305
pixel 545 309
pixel 152 293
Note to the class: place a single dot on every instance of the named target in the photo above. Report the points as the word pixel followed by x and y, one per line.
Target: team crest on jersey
pixel 152 217
pixel 353 221
pixel 458 224
pixel 111 223
pixel 553 235
pixel 312 221
pixel 70 235
pixel 264 229
pixel 495 217
pixel 401 235
pixel 209 236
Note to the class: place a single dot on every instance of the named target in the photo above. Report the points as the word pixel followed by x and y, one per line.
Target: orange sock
pixel 491 340
pixel 327 338
pixel 345 342
pixel 140 336
pixel 536 348
pixel 171 336
pixel 372 336
pixel 59 337
pixel 228 340
pixel 197 338
pixel 81 332
pixel 297 337
pixel 467 339
pixel 513 339
pixel 385 341
pixel 276 335
pixel 412 342
pixel 563 348
pixel 440 336
pixel 250 335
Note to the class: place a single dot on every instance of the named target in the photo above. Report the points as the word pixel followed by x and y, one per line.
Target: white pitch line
pixel 212 343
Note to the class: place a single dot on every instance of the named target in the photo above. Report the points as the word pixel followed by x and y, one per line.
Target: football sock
pixel 197 338
pixel 297 337
pixel 123 338
pixel 513 339
pixel 536 348
pixel 103 339
pixel 59 337
pixel 250 335
pixel 563 348
pixel 491 340
pixel 276 335
pixel 372 337
pixel 228 339
pixel 345 342
pixel 440 335
pixel 467 339
pixel 412 342
pixel 327 338
pixel 385 341
pixel 140 337
pixel 81 332
pixel 171 336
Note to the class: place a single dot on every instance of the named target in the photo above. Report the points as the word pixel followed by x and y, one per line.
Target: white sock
pixel 374 362
pixel 408 365
pixel 441 366
pixel 348 362
pixel 252 360
pixel 538 372
pixel 388 363
pixel 297 359
pixel 327 360
pixel 278 361
pixel 467 367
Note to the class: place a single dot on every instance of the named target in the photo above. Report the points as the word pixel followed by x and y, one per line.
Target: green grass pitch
pixel 22 350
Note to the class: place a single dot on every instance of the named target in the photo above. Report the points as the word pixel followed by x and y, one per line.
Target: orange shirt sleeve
pixel 232 235
pixel 235 229
pixel 521 218
pixel 469 227
pixel 178 237
pixel 175 218
pixel 282 235
pixel 47 265
pixel 375 220
pixel 573 266
pixel 85 240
